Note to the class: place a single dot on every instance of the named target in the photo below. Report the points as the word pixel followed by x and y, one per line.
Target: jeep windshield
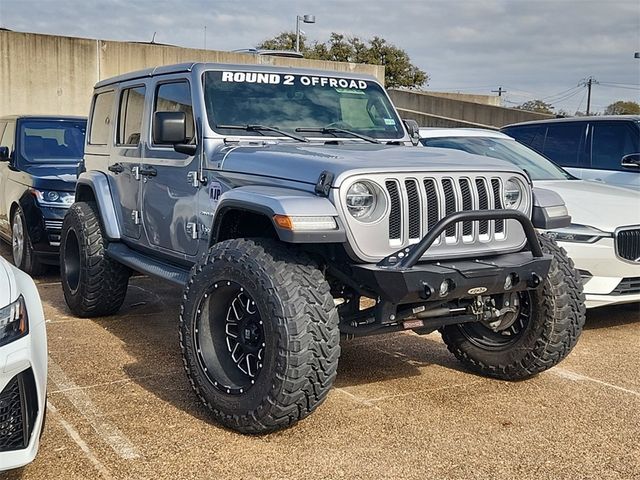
pixel 51 141
pixel 315 104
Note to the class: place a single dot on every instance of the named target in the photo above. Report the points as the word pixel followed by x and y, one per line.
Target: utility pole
pixel 499 91
pixel 205 37
pixel 588 83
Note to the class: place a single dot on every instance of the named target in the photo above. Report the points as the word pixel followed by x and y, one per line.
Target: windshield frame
pixel 563 174
pixel 209 121
pixel 20 153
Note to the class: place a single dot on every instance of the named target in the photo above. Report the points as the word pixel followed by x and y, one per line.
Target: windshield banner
pixel 306 80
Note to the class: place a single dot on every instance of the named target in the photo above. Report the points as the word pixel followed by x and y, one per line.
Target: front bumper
pixel 23 376
pixel 465 278
pixel 607 279
pixel 402 278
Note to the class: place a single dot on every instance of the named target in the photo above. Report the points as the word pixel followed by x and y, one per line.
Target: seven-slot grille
pixel 416 208
pixel 628 244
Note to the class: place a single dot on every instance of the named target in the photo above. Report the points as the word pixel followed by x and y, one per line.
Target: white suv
pixel 604 237
pixel 23 380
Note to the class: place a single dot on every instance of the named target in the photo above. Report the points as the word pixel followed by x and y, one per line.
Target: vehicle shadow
pixel 147 326
pixel 615 315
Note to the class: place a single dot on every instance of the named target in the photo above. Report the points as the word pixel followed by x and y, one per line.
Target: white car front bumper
pixel 23 388
pixel 612 280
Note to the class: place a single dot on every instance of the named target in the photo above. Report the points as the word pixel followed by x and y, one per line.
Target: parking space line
pixel 108 432
pixel 577 377
pixel 357 399
pixel 75 436
pixel 105 384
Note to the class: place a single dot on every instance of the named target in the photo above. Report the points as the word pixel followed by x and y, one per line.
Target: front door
pixel 7 130
pixel 169 196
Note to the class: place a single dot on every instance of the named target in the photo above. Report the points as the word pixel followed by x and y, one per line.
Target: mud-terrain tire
pixel 94 285
pixel 259 334
pixel 23 255
pixel 552 321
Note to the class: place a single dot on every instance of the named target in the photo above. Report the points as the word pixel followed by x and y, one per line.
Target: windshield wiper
pixel 335 130
pixel 261 128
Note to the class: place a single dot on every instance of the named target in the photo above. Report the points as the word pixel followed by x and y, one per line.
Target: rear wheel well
pixel 84 193
pixel 236 223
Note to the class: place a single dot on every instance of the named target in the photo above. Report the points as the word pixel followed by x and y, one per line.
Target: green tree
pixel 623 108
pixel 399 71
pixel 536 106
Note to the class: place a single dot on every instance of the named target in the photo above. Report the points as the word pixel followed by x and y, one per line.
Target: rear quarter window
pixel 100 127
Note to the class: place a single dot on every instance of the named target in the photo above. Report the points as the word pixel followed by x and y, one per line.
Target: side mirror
pixel 4 154
pixel 413 129
pixel 169 128
pixel 631 161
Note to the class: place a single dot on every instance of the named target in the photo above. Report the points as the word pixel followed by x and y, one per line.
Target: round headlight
pixel 513 194
pixel 361 200
pixel 51 196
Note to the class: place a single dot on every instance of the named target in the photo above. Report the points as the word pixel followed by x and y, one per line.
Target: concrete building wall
pixel 469 97
pixel 437 111
pixel 46 74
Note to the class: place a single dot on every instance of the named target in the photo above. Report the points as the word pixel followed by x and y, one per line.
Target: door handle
pixel 148 171
pixel 116 168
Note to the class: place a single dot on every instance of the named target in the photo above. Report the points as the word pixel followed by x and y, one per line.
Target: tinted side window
pixel 563 143
pixel 130 116
pixel 175 97
pixel 101 119
pixel 611 141
pixel 532 136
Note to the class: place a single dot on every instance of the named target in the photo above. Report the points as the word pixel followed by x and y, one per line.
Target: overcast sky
pixel 532 48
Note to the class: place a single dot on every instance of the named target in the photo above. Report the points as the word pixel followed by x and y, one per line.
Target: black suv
pixel 604 149
pixel 39 156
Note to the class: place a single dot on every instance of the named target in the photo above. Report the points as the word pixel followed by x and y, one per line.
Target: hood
pixel 305 162
pixel 604 207
pixel 8 288
pixel 60 177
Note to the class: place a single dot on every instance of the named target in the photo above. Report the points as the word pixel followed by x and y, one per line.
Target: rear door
pixel 126 157
pixel 169 198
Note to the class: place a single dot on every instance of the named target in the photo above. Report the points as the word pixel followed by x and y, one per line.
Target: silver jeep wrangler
pixel 293 207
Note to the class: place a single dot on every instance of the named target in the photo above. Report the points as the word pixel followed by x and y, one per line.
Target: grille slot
pixel 449 204
pixel 395 213
pixel 483 204
pixel 628 244
pixel 467 204
pixel 497 201
pixel 433 207
pixel 413 198
pixel 627 286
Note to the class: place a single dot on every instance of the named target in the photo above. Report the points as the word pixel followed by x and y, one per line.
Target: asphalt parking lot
pixel 120 407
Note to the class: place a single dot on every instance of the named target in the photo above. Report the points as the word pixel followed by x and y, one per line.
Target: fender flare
pixel 270 201
pixel 98 184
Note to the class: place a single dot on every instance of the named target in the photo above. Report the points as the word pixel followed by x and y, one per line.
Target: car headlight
pixel 53 197
pixel 513 193
pixel 578 233
pixel 13 321
pixel 365 201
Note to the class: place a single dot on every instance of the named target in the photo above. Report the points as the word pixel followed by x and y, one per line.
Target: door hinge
pixel 193 179
pixel 192 230
pixel 136 172
pixel 135 216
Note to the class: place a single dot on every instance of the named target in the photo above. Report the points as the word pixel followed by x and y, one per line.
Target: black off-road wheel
pixel 259 335
pixel 94 285
pixel 546 326
pixel 23 255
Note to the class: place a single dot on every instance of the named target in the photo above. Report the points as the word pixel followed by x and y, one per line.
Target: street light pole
pixel 305 19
